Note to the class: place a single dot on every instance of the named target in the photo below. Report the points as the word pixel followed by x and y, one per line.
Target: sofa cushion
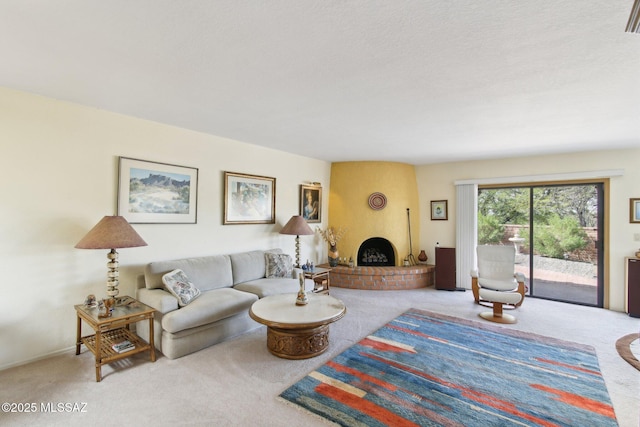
pixel 248 266
pixel 210 307
pixel 278 265
pixel 178 284
pixel 206 273
pixel 265 287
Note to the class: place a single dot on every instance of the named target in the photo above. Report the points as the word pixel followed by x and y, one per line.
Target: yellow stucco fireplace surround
pixel 352 185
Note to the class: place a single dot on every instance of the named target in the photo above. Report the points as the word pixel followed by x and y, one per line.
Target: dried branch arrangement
pixel 331 236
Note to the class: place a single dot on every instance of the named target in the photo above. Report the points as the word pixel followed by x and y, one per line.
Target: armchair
pixel 494 283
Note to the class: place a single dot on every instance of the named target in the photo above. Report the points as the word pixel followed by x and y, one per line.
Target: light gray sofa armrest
pixel 474 273
pixel 159 299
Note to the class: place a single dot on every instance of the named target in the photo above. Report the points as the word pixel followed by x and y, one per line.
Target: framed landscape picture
pixel 439 210
pixel 634 210
pixel 311 203
pixel 249 199
pixel 157 193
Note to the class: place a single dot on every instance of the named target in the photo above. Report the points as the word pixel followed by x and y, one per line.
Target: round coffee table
pixel 297 331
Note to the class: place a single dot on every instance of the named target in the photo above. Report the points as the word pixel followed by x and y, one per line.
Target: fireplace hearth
pixel 382 278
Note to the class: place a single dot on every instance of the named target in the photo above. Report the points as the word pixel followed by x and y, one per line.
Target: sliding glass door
pixel 557 233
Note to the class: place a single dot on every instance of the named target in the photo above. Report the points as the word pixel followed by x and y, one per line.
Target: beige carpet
pixel 236 383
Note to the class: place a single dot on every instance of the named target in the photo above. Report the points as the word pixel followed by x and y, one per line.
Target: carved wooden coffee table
pixel 297 331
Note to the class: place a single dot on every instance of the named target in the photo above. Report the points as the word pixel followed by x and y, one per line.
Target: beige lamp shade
pixel 297 226
pixel 112 232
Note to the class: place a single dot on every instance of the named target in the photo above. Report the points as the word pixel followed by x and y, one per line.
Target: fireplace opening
pixel 376 251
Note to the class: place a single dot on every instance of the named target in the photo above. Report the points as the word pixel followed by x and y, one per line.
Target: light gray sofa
pixel 229 285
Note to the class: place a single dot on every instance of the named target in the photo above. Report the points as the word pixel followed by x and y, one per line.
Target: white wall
pixel 59 167
pixel 436 182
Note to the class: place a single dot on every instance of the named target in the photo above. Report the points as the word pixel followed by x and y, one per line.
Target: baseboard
pixel 48 355
pixel 41 357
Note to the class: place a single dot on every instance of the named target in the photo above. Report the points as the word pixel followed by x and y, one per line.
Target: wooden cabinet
pixel 632 284
pixel 446 268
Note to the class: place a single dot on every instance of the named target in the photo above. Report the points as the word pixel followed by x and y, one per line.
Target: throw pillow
pixel 178 284
pixel 278 265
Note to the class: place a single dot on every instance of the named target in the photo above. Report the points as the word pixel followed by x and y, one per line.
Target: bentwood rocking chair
pixel 495 284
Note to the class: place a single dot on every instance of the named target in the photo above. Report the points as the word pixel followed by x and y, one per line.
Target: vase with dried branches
pixel 332 236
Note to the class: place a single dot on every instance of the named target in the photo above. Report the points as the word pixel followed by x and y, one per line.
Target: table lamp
pixel 112 232
pixel 297 226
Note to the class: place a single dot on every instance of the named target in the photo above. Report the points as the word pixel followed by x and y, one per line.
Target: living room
pixel 73 154
pixel 60 172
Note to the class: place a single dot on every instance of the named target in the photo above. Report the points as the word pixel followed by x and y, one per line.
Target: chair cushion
pixel 500 296
pixel 499 285
pixel 496 262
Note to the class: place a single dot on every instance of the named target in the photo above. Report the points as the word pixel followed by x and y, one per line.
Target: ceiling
pixel 420 82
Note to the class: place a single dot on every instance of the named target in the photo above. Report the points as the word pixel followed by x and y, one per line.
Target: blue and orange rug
pixel 427 369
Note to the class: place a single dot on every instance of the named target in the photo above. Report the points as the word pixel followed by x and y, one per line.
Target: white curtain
pixel 466 232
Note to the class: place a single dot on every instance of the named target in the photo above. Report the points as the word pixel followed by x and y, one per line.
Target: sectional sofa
pixel 227 286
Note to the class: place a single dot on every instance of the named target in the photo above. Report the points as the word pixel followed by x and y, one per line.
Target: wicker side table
pixel 113 330
pixel 320 277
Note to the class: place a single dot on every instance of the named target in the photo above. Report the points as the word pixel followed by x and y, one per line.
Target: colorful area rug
pixel 427 369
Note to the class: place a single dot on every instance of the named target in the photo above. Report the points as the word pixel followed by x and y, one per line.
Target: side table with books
pixel 320 277
pixel 112 338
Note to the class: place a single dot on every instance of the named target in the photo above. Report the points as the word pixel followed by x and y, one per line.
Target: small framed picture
pixel 249 199
pixel 311 203
pixel 157 193
pixel 439 210
pixel 634 210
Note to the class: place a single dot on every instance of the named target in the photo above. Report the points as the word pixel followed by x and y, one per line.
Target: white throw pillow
pixel 278 265
pixel 179 285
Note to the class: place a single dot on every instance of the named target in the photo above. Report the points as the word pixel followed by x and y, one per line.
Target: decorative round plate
pixel 377 201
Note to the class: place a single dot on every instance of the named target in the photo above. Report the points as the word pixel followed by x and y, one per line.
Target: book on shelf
pixel 123 346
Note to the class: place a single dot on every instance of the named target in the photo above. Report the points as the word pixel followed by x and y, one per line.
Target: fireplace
pixel 376 270
pixel 376 251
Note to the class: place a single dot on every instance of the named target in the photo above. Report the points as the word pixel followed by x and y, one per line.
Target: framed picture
pixel 311 203
pixel 634 210
pixel 249 199
pixel 157 193
pixel 439 210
